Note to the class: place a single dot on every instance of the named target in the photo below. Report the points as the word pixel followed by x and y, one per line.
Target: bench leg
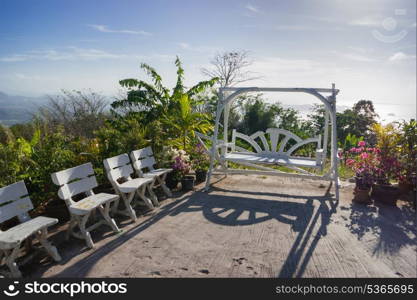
pixel 105 213
pixel 52 251
pixel 84 232
pixel 128 204
pixel 161 181
pixel 71 225
pixel 10 262
pixel 152 195
pixel 141 194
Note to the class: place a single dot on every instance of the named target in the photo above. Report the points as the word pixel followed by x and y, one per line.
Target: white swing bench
pixel 261 154
pixel 273 147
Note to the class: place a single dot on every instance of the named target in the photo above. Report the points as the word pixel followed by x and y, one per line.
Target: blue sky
pixel 368 47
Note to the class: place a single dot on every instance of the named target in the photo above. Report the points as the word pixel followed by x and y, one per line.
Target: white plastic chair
pixel 81 180
pixel 119 171
pixel 143 162
pixel 15 202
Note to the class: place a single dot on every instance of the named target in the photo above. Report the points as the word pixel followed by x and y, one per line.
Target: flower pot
pixel 385 193
pixel 362 196
pixel 187 183
pixel 200 175
pixel 362 183
pixel 171 182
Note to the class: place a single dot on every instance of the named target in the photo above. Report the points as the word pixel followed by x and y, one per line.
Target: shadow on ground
pixel 394 226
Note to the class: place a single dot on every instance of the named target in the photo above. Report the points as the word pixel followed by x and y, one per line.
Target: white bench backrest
pixel 14 201
pixel 74 181
pixel 143 159
pixel 275 141
pixel 118 167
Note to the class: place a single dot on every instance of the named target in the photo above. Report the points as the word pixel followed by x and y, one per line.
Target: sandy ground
pixel 248 226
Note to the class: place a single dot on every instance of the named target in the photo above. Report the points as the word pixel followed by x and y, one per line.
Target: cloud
pixel 252 8
pixel 358 57
pixel 68 53
pixel 104 28
pixel 202 49
pixel 366 22
pixel 400 56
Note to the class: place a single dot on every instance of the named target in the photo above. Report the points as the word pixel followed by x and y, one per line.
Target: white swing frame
pixel 226 97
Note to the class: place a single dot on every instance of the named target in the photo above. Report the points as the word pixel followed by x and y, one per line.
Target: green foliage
pixel 349 142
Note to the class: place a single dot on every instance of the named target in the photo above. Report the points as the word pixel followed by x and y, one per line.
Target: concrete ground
pixel 248 226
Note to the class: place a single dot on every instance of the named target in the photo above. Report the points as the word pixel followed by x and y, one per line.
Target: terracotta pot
pixel 187 183
pixel 362 196
pixel 385 193
pixel 200 175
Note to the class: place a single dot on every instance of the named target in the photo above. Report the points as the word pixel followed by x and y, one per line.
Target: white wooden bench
pixel 81 180
pixel 144 162
pixel 119 171
pixel 15 202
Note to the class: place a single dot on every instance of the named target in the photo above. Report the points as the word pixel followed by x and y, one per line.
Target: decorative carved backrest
pixel 281 142
pixel 14 202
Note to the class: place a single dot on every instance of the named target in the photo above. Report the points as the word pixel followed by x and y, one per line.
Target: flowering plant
pixel 365 162
pixel 178 160
pixel 200 159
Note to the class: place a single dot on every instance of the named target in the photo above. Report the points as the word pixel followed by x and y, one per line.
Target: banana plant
pixel 182 122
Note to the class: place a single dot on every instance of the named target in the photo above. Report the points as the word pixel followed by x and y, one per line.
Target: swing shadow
pixel 295 264
pixel 226 210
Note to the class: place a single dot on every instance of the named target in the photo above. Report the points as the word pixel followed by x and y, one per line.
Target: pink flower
pixel 364 155
pixel 350 162
pixel 361 144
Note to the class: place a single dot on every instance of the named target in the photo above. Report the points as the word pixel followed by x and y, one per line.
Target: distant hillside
pixel 18 109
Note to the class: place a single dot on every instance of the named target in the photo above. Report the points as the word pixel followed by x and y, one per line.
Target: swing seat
pixel 271 159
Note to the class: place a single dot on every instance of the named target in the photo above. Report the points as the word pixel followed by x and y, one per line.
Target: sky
pixel 366 47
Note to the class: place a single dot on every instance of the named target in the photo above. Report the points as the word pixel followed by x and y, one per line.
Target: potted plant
pixel 387 141
pixel 181 168
pixel 167 160
pixel 407 149
pixel 200 162
pixel 363 162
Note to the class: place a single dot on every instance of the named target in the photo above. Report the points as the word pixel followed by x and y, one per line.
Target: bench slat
pixel 116 161
pixel 77 187
pixel 13 192
pixel 15 208
pixel 65 176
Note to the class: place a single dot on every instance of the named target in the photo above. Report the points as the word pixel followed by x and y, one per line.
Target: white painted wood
pixel 13 192
pixel 116 161
pixel 16 203
pixel 81 180
pixel 144 159
pixel 119 168
pixel 17 234
pixel 68 175
pixel 77 187
pixel 15 208
pixel 224 102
